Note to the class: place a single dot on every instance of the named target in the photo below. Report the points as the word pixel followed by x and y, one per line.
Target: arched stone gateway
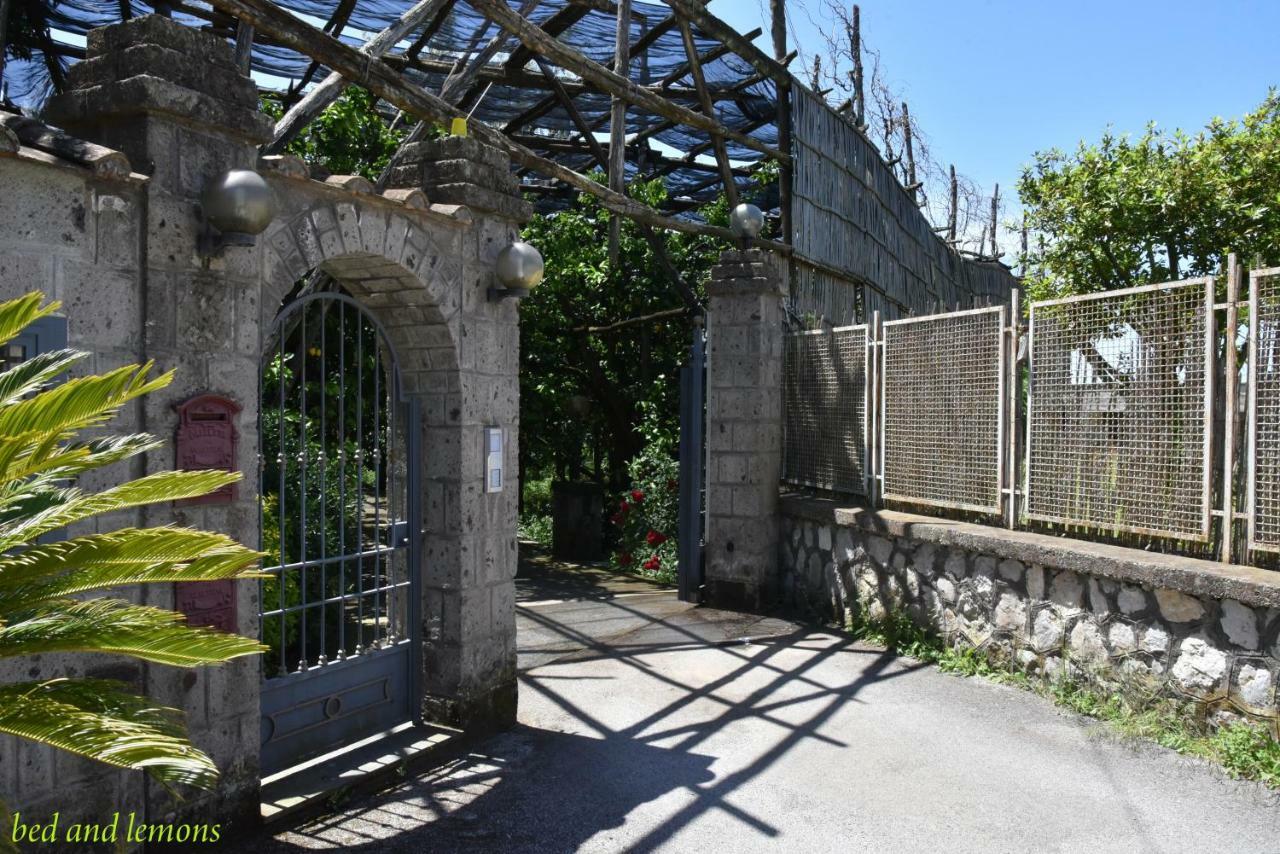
pixel 120 248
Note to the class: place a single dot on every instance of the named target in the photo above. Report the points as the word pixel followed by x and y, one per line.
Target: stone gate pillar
pixel 468 589
pixel 744 427
pixel 170 97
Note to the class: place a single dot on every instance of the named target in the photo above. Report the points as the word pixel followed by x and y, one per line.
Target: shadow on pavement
pixel 642 725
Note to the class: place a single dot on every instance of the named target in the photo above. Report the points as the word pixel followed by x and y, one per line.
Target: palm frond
pixel 94 718
pixel 79 403
pixel 32 375
pixel 17 314
pixel 127 556
pixel 65 507
pixel 63 461
pixel 122 628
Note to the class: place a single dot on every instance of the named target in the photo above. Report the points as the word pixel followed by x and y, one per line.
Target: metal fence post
pixel 1011 439
pixel 877 394
pixel 1231 373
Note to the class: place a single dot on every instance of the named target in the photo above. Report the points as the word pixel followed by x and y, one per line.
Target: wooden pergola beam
pixel 696 13
pixel 327 91
pixel 535 80
pixel 609 81
pixel 378 77
pixel 717 139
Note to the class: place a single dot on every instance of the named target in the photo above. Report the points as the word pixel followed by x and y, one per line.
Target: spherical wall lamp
pixel 519 269
pixel 746 221
pixel 236 206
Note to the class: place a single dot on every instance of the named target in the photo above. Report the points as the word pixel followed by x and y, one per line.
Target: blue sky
pixel 992 81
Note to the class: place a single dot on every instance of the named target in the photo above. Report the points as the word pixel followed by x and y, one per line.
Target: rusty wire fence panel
pixel 943 404
pixel 825 399
pixel 1264 410
pixel 1120 409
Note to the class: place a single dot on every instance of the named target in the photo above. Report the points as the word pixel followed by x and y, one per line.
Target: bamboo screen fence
pixel 862 244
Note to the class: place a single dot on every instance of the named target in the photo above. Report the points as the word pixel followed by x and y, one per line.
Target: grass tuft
pixel 1245 749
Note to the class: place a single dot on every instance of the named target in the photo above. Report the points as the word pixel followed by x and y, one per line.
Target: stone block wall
pixel 119 247
pixel 1202 631
pixel 744 426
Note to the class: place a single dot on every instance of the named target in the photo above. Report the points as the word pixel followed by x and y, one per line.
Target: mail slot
pixel 207 439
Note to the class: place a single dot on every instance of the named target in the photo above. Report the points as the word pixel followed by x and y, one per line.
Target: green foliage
pixel 646 518
pixel 1127 212
pixel 628 377
pixel 349 138
pixel 40 458
pixel 535 517
pixel 897 632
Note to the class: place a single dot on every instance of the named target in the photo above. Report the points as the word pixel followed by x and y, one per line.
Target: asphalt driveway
pixel 647 724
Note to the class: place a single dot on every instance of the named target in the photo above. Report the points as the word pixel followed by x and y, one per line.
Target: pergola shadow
pixel 534 789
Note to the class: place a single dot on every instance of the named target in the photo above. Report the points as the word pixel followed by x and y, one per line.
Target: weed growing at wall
pixel 1131 709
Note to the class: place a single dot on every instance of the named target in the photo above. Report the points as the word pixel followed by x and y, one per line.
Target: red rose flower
pixel 616 518
pixel 637 495
pixel 653 563
pixel 625 559
pixel 623 506
pixel 653 538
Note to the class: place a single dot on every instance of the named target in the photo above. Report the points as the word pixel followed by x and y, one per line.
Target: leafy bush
pixel 646 514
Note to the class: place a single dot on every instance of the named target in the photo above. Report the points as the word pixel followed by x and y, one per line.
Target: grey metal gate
pixel 693 403
pixel 339 459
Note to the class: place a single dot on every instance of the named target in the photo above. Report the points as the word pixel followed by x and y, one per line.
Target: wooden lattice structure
pixel 680 94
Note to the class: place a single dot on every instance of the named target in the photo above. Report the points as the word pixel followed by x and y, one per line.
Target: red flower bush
pixel 646 528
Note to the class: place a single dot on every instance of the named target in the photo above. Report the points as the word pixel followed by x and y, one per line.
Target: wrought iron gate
pixel 339 461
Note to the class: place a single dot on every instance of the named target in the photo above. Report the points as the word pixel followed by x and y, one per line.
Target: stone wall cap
pixel 461 213
pixel 1246 584
pixel 353 183
pixel 148 95
pixel 285 165
pixel 40 142
pixel 410 198
pixel 200 47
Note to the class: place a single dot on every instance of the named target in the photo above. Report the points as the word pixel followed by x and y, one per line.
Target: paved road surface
pixel 646 724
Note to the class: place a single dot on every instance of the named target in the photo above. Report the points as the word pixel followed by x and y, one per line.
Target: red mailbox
pixel 207 440
pixel 207 603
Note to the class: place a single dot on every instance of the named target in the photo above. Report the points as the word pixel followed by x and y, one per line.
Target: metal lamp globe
pixel 746 221
pixel 519 269
pixel 239 205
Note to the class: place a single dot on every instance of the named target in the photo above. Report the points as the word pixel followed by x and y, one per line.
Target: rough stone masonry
pixel 100 208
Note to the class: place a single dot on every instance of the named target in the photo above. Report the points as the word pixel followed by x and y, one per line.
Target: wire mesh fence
pixel 1120 433
pixel 1119 410
pixel 1264 406
pixel 825 396
pixel 942 398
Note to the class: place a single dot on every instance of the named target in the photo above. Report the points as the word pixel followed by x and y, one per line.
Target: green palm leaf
pixel 94 718
pixel 73 506
pixel 79 403
pixel 113 626
pixel 17 314
pixel 40 458
pixel 31 375
pixel 128 556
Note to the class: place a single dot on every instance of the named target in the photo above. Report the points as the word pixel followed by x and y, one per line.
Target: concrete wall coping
pixel 1246 584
